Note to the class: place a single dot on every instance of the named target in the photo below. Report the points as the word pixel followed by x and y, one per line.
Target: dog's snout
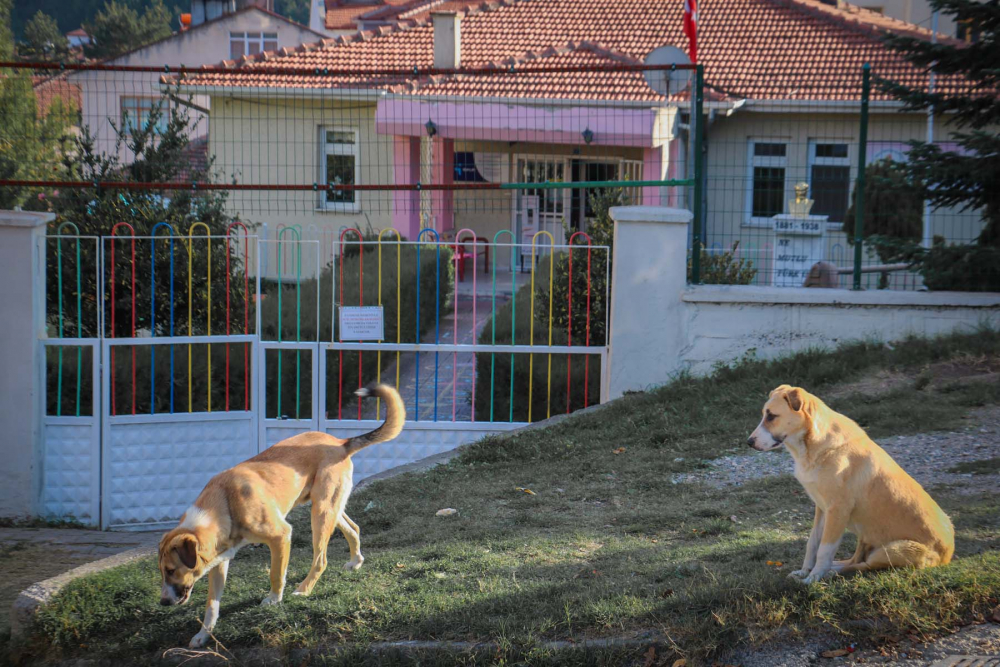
pixel 750 441
pixel 165 602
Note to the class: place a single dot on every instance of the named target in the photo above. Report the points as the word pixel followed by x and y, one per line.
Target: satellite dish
pixel 664 81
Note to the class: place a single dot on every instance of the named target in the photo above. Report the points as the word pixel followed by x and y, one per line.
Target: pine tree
pixel 118 28
pixel 44 40
pixel 966 96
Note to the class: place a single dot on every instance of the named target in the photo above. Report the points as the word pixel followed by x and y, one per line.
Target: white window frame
pixel 812 160
pixel 325 149
pixel 135 116
pixel 247 38
pixel 749 220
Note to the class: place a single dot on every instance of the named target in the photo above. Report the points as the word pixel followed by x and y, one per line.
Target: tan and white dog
pixel 856 486
pixel 248 504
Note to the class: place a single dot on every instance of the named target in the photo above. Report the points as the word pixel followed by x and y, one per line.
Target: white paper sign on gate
pixel 361 323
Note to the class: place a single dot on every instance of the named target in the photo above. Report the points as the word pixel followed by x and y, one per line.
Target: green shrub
pixel 724 269
pixel 496 369
pixel 957 267
pixel 303 299
pixel 893 206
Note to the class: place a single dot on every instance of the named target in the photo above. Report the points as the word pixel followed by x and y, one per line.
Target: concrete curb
pixel 31 599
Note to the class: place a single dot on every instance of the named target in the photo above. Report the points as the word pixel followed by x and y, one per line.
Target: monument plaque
pixel 800 240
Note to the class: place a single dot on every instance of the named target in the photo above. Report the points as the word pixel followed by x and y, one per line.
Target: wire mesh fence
pixel 519 147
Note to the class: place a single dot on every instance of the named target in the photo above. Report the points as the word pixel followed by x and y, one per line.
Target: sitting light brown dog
pixel 248 504
pixel 856 486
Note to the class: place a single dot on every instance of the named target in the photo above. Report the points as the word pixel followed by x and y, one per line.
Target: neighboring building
pixel 342 18
pixel 783 107
pixel 214 34
pixel 918 12
pixel 78 38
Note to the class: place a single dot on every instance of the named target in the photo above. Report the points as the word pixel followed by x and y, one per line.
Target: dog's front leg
pixel 281 548
pixel 835 521
pixel 811 546
pixel 216 582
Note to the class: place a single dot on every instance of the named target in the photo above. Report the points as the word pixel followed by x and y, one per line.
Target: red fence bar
pixel 340 333
pixel 569 326
pixel 246 312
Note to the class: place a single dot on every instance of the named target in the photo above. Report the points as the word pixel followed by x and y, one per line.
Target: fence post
pixel 648 277
pixel 859 189
pixel 699 182
pixel 22 384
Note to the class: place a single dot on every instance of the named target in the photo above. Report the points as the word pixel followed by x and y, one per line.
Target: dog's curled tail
pixel 394 418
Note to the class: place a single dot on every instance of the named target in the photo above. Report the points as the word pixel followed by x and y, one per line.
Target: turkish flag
pixel 691 28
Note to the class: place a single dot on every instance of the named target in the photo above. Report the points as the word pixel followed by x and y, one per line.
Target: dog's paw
pixel 818 575
pixel 199 640
pixel 272 598
pixel 798 574
pixel 354 563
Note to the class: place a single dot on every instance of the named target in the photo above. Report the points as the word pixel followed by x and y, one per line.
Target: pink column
pixel 443 201
pixel 406 170
pixel 652 170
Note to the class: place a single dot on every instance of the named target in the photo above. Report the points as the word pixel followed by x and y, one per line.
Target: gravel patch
pixel 927 457
pixel 973 640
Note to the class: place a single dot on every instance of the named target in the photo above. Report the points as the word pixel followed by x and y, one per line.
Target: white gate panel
pixel 417 441
pixel 156 465
pixel 71 469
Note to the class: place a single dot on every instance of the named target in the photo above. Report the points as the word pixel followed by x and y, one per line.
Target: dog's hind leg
pixel 328 499
pixel 901 553
pixel 324 521
pixel 353 535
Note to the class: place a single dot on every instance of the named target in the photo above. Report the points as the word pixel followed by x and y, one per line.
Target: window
pixel 136 112
pixel 340 167
pixel 829 179
pixel 766 192
pixel 965 31
pixel 250 43
pixel 465 168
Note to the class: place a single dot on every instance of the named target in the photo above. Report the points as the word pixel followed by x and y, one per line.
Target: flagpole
pixel 928 237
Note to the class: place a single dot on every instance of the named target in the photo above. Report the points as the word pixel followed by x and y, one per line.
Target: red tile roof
pixel 49 89
pixel 344 14
pixel 757 49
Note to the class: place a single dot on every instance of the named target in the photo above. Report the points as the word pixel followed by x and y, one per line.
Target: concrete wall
pixel 661 326
pixel 22 310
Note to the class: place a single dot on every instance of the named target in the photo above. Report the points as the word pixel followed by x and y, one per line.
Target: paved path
pixel 29 555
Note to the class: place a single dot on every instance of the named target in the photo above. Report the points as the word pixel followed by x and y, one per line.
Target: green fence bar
pixel 699 182
pixel 859 189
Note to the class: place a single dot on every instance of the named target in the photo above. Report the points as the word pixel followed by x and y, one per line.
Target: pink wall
pixel 406 203
pixel 503 122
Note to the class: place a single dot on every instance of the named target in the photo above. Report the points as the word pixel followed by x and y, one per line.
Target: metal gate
pixel 192 360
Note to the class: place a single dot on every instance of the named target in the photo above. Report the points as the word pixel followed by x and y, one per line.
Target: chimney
pixel 447 40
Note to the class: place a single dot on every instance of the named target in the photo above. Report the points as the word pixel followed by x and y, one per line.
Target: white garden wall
pixel 661 326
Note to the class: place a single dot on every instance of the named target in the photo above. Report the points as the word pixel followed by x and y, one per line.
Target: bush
pixel 303 298
pixel 959 267
pixel 497 369
pixel 724 269
pixel 893 207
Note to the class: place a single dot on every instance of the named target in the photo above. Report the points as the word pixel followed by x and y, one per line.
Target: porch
pixel 487 156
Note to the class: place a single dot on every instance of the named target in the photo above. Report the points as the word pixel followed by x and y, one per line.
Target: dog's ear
pixel 795 398
pixel 187 550
pixel 780 389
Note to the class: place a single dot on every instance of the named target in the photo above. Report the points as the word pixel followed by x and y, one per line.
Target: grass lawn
pixel 606 546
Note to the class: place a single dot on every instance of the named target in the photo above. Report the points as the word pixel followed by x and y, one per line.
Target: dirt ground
pixel 28 555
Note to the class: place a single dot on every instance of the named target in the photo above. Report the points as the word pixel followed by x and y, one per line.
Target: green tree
pixel 296 10
pixel 969 77
pixel 43 38
pixel 31 143
pixel 118 28
pixel 893 207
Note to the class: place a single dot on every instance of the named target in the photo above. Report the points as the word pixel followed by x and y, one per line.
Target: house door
pixel 581 211
pixel 551 202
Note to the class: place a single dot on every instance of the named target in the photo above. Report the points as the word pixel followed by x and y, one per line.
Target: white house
pixel 217 30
